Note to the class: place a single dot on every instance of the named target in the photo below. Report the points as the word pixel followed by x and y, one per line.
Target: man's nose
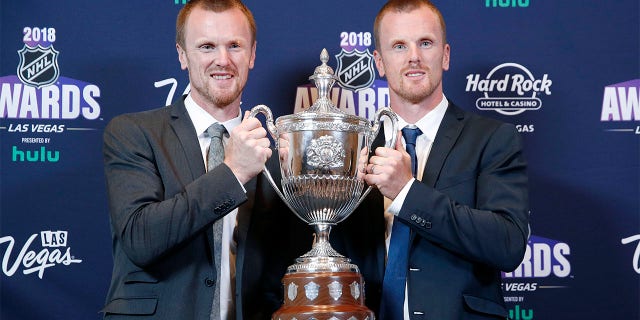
pixel 222 57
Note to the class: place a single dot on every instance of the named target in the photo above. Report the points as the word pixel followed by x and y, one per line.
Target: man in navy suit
pixel 164 196
pixel 461 197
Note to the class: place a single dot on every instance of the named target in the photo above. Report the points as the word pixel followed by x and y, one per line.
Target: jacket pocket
pixel 132 306
pixel 485 306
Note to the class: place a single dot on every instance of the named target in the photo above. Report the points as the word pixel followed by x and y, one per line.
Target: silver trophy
pixel 323 152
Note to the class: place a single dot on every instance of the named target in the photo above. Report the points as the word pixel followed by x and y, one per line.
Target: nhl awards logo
pixel 39 91
pixel 355 69
pixel 38 65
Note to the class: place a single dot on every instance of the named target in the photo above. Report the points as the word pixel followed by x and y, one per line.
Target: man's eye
pixel 399 46
pixel 426 44
pixel 206 47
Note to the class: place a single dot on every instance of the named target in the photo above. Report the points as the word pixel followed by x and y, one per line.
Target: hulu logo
pixel 517 314
pixel 42 155
pixel 506 3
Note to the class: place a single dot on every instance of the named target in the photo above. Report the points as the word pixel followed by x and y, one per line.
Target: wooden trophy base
pixel 323 296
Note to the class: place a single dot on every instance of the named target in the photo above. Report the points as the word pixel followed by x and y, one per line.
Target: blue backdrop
pixel 566 72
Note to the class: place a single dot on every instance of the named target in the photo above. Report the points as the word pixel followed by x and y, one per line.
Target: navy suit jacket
pixel 468 218
pixel 162 206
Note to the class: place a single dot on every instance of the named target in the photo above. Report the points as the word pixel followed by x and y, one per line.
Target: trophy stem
pixel 321 245
pixel 322 257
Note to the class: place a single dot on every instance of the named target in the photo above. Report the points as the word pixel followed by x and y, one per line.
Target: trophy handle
pixel 273 131
pixel 386 111
pixel 261 108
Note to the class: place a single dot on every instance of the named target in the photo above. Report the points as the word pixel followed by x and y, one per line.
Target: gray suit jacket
pixel 162 206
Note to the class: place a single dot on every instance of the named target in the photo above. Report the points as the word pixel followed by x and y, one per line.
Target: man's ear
pixel 182 57
pixel 253 54
pixel 446 57
pixel 379 64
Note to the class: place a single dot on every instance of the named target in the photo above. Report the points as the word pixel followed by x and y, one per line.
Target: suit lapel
pixel 449 131
pixel 186 133
pixel 189 150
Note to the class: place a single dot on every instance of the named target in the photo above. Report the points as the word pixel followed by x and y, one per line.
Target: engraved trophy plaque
pixel 322 152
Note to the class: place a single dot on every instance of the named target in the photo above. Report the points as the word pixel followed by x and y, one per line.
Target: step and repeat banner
pixel 566 73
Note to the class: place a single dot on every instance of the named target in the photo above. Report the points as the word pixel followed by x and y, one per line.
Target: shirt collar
pixel 202 120
pixel 428 124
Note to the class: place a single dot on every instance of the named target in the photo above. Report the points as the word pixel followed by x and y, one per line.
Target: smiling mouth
pixel 221 76
pixel 415 74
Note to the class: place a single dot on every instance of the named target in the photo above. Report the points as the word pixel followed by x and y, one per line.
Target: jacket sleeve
pixel 482 214
pixel 146 217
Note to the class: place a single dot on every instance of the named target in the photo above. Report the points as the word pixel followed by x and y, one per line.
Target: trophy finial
pixel 323 70
pixel 324 56
pixel 324 78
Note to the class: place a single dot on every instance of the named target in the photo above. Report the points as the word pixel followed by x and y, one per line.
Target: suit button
pixel 414 217
pixel 208 282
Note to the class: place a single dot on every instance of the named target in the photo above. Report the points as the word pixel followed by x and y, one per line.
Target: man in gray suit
pixel 167 194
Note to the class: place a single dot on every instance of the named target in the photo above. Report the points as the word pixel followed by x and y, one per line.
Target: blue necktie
pixel 395 275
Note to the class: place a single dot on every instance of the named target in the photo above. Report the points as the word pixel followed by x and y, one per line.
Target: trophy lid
pixel 324 78
pixel 323 109
pixel 323 70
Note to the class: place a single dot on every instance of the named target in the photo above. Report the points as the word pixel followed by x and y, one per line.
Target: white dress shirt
pixel 429 125
pixel 201 121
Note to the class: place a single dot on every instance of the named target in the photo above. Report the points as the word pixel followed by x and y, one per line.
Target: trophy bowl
pixel 323 152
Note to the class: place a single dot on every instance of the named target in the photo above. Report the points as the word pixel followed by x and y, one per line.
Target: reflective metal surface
pixel 322 153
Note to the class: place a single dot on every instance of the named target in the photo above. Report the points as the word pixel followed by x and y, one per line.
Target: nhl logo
pixel 355 69
pixel 38 66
